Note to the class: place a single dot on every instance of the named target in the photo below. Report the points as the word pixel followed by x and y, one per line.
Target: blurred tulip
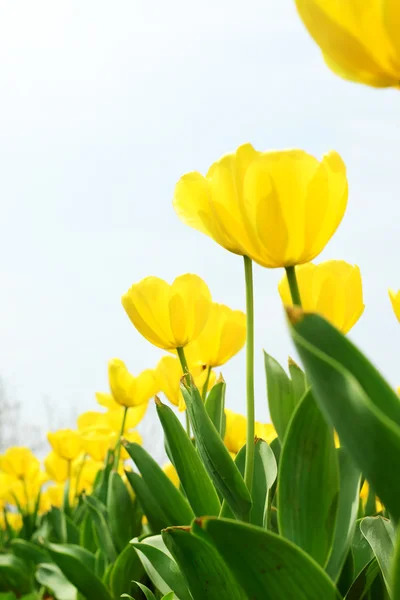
pixel 364 497
pixel 171 473
pixel 395 300
pixel 132 437
pixel 14 521
pixel 97 442
pixel 56 467
pixel 91 419
pixel 169 374
pixel 106 400
pixel 169 316
pixel 279 208
pixel 53 495
pixel 223 336
pixel 19 462
pixel 360 41
pixel 332 288
pixel 235 431
pixel 128 390
pixel 66 443
pixel 113 418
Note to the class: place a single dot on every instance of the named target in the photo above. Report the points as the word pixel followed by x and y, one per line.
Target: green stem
pixel 67 485
pixel 205 386
pixel 293 285
pixel 249 466
pixel 185 369
pixel 121 433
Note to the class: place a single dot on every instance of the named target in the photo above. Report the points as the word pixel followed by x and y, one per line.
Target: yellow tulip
pixel 20 463
pixel 128 390
pixel 133 437
pixel 90 420
pixel 106 400
pixel 279 208
pixel 66 443
pixel 97 442
pixel 113 418
pixel 223 336
pixel 359 40
pixel 169 374
pixel 170 471
pixel 332 288
pixel 169 316
pixel 56 467
pixel 395 300
pixel 53 495
pixel 235 431
pixel 14 520
pixel 364 497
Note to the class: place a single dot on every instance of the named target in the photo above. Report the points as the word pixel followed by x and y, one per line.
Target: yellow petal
pixel 395 300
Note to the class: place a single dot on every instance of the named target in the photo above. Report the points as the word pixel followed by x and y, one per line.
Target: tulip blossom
pixel 395 300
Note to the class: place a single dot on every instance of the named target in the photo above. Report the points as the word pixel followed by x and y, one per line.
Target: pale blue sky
pixel 104 105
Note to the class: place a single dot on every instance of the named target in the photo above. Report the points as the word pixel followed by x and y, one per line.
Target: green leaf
pixel 16 573
pixel 268 566
pixel 395 570
pixel 169 596
pixel 215 407
pixel 362 551
pixel 308 482
pixel 126 568
pixel 281 399
pixel 358 402
pixel 174 505
pixel 121 512
pixel 194 478
pixel 152 509
pixel 74 563
pixel 63 527
pixel 29 551
pixel 147 593
pixel 51 577
pixel 7 596
pixel 361 586
pixel 265 472
pixel 101 563
pixel 101 482
pixel 87 537
pixel 214 454
pixel 346 576
pixel 168 576
pixel 349 494
pixel 380 535
pixel 298 378
pixel 102 528
pixel 205 573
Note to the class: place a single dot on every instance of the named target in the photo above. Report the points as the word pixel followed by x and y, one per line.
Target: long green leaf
pixel 148 594
pixel 362 551
pixel 214 454
pixel 349 493
pixel 165 567
pixel 281 399
pixel 268 566
pixel 380 535
pixel 359 416
pixel 151 506
pixel 193 476
pixel 362 584
pixel 29 551
pixel 299 384
pixel 102 528
pixel 16 573
pixel 51 577
pixel 395 570
pixel 174 505
pixel 215 406
pixel 205 572
pixel 121 514
pixel 126 568
pixel 308 487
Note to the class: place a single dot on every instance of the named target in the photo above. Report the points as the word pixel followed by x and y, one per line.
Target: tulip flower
pixel 332 288
pixel 395 300
pixel 169 373
pixel 359 40
pixel 168 316
pixel 14 521
pixel 56 467
pixel 279 208
pixel 19 462
pixel 97 442
pixel 235 431
pixel 223 336
pixel 66 443
pixel 128 390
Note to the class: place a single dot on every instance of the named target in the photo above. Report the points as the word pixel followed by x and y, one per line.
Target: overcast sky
pixel 104 105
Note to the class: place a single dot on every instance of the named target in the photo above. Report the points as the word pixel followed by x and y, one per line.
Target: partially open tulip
pixel 359 40
pixel 20 463
pixel 66 443
pixel 169 316
pixel 223 336
pixel 279 208
pixel 128 390
pixel 395 300
pixel 56 467
pixel 97 442
pixel 169 375
pixel 235 431
pixel 332 288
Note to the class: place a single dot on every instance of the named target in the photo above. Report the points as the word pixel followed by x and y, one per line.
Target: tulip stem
pixel 293 285
pixel 185 369
pixel 205 386
pixel 121 433
pixel 249 466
